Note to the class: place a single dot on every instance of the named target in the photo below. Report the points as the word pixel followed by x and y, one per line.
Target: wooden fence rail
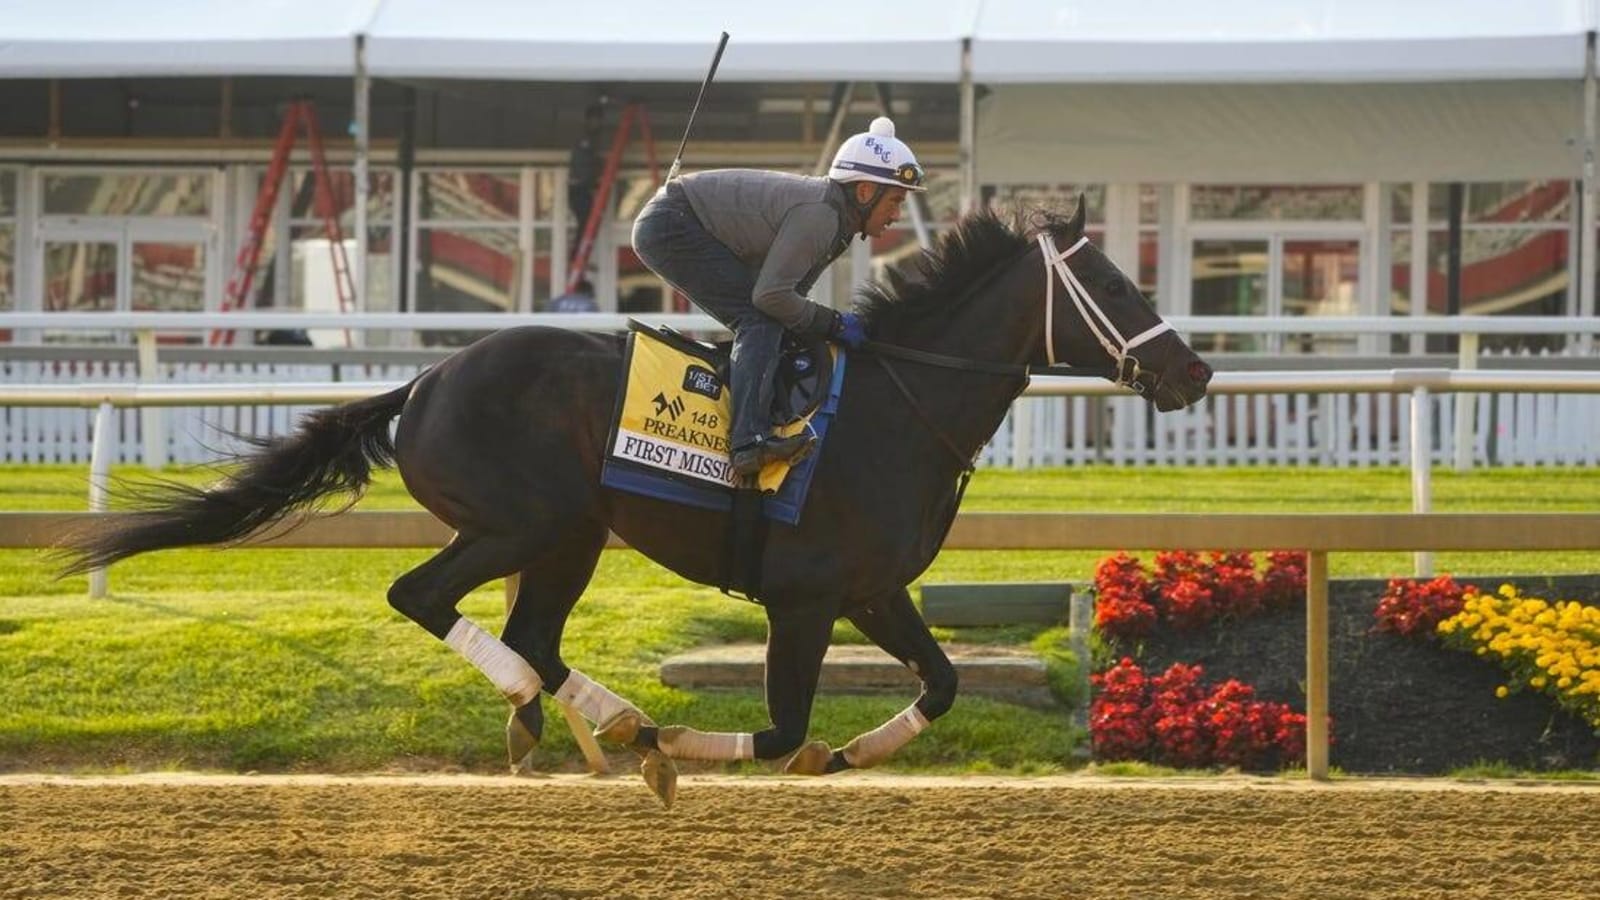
pixel 1317 534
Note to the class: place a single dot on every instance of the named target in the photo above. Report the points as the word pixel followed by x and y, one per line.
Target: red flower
pixel 1408 608
pixel 1176 719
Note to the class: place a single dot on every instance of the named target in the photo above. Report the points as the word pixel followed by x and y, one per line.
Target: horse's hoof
pixel 661 774
pixel 622 728
pixel 520 744
pixel 812 759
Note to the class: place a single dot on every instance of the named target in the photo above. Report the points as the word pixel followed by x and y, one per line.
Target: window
pixel 1277 202
pixel 1514 256
pixel 311 258
pixel 8 239
pixel 484 242
pixel 127 194
pixel 1058 199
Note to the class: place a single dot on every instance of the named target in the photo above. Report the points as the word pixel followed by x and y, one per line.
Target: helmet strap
pixel 866 208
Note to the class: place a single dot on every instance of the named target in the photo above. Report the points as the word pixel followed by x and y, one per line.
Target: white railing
pixel 1419 384
pixel 1285 425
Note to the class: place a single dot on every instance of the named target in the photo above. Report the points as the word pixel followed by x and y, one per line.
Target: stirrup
pixel 752 458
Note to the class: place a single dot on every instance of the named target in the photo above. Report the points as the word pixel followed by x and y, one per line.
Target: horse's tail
pixel 334 450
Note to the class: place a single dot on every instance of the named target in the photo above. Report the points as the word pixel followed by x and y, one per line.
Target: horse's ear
pixel 1079 216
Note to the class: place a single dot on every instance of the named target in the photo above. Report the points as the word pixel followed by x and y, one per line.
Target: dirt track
pixel 848 837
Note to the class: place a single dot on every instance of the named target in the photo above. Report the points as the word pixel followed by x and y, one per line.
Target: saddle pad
pixel 669 435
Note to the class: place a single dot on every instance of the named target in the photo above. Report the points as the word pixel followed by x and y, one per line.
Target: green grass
pixel 292 659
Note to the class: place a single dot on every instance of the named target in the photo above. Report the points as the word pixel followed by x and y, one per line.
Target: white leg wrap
pixel 591 699
pixel 500 664
pixel 877 745
pixel 681 742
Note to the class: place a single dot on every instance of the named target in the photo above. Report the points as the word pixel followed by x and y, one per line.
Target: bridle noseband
pixel 1100 325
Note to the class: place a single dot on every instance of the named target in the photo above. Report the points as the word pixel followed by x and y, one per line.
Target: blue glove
pixel 848 329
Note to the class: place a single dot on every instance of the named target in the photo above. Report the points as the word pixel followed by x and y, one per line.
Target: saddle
pixel 670 433
pixel 805 368
pixel 670 436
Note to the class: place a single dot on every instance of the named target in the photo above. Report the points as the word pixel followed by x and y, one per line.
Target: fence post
pixel 99 472
pixel 150 418
pixel 1317 664
pixel 1465 402
pixel 581 731
pixel 1421 468
pixel 1022 433
pixel 1080 618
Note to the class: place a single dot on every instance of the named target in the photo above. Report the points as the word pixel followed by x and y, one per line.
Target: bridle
pixel 1124 369
pixel 1100 324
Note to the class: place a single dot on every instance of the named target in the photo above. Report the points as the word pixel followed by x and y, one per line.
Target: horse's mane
pixel 930 281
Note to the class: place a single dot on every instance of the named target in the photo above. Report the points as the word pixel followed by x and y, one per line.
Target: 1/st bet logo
pixel 702 381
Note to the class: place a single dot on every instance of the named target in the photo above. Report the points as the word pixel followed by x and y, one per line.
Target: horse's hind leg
pixel 549 588
pixel 429 593
pixel 894 624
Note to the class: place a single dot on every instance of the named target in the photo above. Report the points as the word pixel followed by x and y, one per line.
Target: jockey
pixel 747 245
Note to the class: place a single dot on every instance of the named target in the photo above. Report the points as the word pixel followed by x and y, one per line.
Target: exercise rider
pixel 746 246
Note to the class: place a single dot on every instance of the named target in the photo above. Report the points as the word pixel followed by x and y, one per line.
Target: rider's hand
pixel 848 329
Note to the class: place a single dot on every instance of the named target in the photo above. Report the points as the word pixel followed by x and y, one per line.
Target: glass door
pixel 80 271
pixel 1228 277
pixel 1275 275
pixel 1320 277
pixel 123 265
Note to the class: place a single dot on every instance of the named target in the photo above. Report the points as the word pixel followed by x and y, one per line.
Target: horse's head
pixel 1094 314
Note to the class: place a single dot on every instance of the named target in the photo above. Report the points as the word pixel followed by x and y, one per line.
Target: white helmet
pixel 877 155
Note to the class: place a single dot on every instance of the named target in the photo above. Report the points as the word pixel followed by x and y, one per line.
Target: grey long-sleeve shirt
pixel 788 228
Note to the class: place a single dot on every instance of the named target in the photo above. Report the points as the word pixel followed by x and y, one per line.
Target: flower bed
pixel 1177 719
pixel 1553 648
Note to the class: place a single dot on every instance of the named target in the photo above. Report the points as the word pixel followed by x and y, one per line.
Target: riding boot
pixel 754 365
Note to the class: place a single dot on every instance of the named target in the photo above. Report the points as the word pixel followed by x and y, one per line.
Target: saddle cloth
pixel 669 434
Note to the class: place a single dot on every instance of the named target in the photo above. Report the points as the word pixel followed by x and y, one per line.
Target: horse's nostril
pixel 1200 372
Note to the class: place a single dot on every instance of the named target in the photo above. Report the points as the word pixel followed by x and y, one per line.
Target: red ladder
pixel 608 177
pixel 299 113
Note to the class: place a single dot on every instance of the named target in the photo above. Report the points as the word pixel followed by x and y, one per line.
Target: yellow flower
pixel 1501 691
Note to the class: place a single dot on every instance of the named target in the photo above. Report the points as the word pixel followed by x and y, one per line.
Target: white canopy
pixel 646 40
pixel 1317 133
pixel 1014 41
pixel 1280 40
pixel 117 38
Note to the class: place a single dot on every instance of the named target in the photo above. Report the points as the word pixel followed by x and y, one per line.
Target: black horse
pixel 503 443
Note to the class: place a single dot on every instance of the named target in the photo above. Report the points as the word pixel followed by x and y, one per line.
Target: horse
pixel 503 441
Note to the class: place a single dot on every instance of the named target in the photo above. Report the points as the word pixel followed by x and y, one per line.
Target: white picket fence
pixel 1343 430
pixel 1329 429
pixel 193 434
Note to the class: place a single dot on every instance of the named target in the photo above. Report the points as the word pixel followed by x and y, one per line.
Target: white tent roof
pixel 646 40
pixel 117 38
pixel 814 40
pixel 1280 40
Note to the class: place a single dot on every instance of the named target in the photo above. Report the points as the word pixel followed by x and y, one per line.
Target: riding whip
pixel 715 59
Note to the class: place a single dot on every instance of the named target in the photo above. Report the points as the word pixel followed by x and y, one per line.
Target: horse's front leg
pixel 797 640
pixel 894 624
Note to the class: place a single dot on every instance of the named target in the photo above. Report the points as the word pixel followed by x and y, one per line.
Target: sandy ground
pixel 853 836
